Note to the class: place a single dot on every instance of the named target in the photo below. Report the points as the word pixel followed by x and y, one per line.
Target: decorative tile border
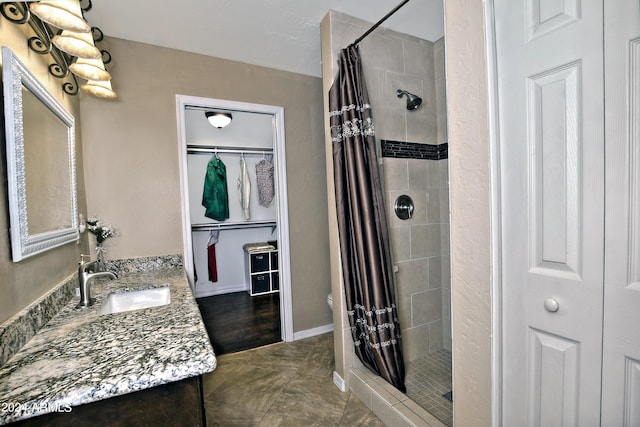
pixel 15 332
pixel 412 150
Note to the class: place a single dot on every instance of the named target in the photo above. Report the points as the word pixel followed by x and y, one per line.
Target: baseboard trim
pixel 208 291
pixel 308 333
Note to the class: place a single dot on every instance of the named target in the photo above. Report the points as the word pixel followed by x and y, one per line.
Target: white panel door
pixel 550 101
pixel 621 346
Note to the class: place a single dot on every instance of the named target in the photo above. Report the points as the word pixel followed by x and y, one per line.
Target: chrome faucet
pixel 86 272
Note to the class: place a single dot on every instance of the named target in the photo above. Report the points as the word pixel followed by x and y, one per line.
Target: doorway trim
pixel 496 213
pixel 280 168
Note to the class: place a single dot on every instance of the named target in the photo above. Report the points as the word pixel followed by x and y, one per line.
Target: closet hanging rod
pixel 207 149
pixel 233 225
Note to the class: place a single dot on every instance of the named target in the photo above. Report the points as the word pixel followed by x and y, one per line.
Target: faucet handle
pixel 85 265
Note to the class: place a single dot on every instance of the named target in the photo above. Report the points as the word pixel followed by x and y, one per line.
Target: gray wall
pixel 23 282
pixel 132 167
pixel 420 245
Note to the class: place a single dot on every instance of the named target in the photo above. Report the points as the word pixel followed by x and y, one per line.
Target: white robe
pixel 244 188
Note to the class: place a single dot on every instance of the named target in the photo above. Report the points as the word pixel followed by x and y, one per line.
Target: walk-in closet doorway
pixel 255 134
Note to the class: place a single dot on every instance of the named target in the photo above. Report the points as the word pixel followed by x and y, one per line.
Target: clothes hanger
pixel 214 234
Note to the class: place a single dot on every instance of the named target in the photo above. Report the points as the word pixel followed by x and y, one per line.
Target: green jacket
pixel 214 197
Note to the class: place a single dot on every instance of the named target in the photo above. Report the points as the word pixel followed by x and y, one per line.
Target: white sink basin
pixel 135 300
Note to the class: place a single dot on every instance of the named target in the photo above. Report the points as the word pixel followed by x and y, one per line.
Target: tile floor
pixel 427 379
pixel 283 384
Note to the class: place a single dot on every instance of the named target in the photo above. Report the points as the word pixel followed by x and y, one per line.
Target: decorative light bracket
pixel 18 13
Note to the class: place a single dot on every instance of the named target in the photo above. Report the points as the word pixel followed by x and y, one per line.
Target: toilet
pixel 330 301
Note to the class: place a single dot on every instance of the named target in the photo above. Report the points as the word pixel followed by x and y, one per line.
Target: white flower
pixel 102 232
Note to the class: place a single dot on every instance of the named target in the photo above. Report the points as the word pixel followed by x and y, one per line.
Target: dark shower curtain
pixel 362 225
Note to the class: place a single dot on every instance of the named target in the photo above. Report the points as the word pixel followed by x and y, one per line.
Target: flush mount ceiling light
pixel 64 14
pixel 90 69
pixel 76 44
pixel 218 120
pixel 101 89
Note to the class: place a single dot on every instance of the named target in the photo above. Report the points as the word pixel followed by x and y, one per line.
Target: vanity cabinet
pixel 178 403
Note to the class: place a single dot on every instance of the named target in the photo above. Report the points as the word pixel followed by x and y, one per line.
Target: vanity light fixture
pixel 76 44
pixel 101 89
pixel 90 69
pixel 68 49
pixel 64 14
pixel 217 119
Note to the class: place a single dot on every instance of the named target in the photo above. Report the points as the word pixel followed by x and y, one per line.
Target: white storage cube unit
pixel 262 270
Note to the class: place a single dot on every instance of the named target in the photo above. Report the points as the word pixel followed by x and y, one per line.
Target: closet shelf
pixel 210 149
pixel 233 225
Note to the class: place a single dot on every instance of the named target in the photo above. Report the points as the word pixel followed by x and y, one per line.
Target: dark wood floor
pixel 238 321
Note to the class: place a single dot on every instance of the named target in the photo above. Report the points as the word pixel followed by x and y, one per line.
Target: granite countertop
pixel 80 356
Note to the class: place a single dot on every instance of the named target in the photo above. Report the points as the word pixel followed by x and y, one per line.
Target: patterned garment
pixel 264 176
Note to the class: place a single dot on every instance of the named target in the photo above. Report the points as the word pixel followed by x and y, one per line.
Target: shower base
pixel 427 380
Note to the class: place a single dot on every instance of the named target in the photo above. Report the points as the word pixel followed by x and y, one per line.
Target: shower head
pixel 413 101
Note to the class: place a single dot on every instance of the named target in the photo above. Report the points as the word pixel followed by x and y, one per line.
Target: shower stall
pixel 399 70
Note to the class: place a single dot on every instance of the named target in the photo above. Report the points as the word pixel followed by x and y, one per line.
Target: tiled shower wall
pixel 420 248
pixel 420 245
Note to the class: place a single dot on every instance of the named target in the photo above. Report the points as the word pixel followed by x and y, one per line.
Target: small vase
pixel 100 264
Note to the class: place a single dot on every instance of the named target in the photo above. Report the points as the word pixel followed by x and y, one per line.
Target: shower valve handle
pixel 404 207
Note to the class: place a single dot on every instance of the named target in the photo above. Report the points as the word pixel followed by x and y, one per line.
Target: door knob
pixel 551 305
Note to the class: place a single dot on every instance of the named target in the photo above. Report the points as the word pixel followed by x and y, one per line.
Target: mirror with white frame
pixel 41 175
